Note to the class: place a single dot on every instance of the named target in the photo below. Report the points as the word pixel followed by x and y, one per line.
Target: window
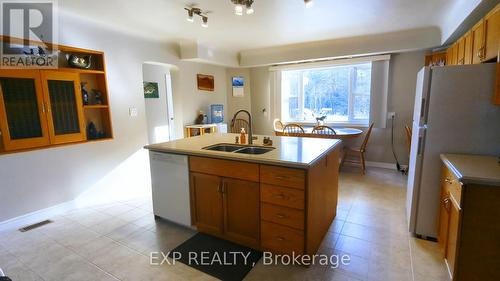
pixel 337 94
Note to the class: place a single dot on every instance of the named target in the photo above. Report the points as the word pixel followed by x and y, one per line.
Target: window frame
pixel 350 122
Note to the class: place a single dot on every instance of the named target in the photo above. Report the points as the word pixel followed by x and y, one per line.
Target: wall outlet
pixel 132 111
pixel 391 115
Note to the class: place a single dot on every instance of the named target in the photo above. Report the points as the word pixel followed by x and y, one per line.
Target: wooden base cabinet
pixel 226 207
pixel 469 229
pixel 267 207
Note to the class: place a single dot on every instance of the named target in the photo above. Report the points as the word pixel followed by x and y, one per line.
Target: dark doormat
pixel 219 258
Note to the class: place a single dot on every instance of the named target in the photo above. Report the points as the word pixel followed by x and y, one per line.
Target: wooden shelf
pixel 79 70
pixel 95 106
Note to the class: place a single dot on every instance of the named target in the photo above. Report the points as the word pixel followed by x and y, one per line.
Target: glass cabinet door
pixel 65 110
pixel 23 120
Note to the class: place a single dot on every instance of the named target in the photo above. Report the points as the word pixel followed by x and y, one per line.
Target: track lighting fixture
pixel 308 3
pixel 191 11
pixel 239 5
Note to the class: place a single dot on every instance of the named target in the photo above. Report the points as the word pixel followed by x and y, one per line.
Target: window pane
pixel 63 105
pixel 290 87
pixel 361 107
pixel 362 79
pixel 326 93
pixel 336 94
pixel 21 106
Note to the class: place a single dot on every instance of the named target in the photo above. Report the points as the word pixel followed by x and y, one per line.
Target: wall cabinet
pixel 468 45
pixel 492 34
pixel 469 228
pixel 478 42
pixel 460 51
pixel 41 108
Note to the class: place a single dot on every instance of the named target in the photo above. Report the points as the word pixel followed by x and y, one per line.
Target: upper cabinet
pixel 23 119
pixel 478 42
pixel 468 45
pixel 492 34
pixel 41 108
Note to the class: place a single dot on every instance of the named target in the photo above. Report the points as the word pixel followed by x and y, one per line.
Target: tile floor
pixel 113 242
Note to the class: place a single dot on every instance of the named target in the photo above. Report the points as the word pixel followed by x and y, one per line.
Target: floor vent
pixel 35 225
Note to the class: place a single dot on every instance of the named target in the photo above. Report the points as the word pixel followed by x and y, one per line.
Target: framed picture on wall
pixel 238 86
pixel 206 82
pixel 151 90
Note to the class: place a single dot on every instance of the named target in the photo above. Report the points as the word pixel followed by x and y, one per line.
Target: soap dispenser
pixel 243 136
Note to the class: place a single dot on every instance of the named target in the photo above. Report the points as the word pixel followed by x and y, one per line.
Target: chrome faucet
pixel 250 134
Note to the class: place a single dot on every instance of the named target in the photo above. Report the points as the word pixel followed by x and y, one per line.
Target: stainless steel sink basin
pixel 254 150
pixel 224 147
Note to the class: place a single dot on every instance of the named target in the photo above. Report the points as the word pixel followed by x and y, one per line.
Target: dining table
pixel 340 133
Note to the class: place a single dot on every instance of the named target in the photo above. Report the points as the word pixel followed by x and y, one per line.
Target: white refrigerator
pixel 453 113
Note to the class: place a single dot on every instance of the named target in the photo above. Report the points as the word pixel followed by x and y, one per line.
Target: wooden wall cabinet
pixel 469 228
pixel 492 34
pixel 478 43
pixel 468 45
pixel 460 51
pixel 41 108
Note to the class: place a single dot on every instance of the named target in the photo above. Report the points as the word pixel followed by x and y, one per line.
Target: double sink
pixel 244 149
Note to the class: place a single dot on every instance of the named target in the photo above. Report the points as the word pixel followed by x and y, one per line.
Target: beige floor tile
pixel 354 246
pixel 117 209
pixel 133 215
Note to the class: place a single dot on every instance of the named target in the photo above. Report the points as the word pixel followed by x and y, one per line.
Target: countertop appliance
pixel 453 113
pixel 170 187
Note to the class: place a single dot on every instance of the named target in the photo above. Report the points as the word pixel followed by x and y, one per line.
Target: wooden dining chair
pixel 408 137
pixel 293 129
pixel 278 125
pixel 358 152
pixel 237 124
pixel 323 130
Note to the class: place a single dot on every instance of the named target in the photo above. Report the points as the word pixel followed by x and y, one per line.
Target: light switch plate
pixel 391 115
pixel 132 111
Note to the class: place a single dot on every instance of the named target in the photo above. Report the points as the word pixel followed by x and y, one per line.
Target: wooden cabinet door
pixel 22 112
pixel 461 51
pixel 477 42
pixel 492 33
pixel 453 236
pixel 241 211
pixel 449 56
pixel 454 54
pixel 206 204
pixel 444 219
pixel 63 97
pixel 468 48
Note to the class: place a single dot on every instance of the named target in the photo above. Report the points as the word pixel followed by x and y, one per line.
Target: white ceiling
pixel 275 22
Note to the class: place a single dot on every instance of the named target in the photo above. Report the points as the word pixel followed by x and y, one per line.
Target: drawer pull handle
pixel 447 180
pixel 281 177
pixel 280 216
pixel 279 196
pixel 279 238
pixel 446 202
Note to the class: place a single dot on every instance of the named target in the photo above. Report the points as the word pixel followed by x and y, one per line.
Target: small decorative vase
pixel 85 95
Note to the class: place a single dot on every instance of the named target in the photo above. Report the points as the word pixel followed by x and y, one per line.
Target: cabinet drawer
pixel 224 168
pixel 282 196
pixel 294 178
pixel 451 184
pixel 282 215
pixel 281 239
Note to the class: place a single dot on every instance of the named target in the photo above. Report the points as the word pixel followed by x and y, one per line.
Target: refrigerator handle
pixel 419 149
pixel 422 108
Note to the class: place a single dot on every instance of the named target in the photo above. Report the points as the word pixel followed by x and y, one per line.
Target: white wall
pixel 402 82
pixel 119 168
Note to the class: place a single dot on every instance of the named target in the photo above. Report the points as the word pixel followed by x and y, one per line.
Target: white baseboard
pixel 36 216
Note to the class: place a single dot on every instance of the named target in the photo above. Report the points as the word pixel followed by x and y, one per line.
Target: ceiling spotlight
pixel 196 11
pixel 190 15
pixel 238 9
pixel 204 21
pixel 308 3
pixel 239 5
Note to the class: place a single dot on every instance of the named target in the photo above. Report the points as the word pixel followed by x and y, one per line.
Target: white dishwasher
pixel 170 186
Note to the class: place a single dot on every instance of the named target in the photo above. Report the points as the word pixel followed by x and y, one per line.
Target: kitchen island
pixel 280 198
